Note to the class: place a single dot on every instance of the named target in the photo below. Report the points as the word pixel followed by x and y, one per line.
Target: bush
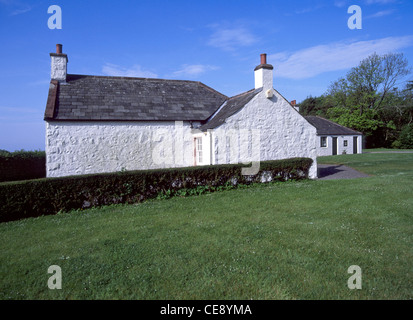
pixel 406 137
pixel 34 198
pixel 22 165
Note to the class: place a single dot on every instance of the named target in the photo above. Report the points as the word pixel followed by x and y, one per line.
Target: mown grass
pixel 379 150
pixel 386 164
pixel 275 241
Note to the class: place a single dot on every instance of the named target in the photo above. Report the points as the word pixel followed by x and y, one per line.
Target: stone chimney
pixel 59 62
pixel 294 104
pixel 263 74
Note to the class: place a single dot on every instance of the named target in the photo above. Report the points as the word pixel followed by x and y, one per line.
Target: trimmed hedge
pixel 52 195
pixel 22 165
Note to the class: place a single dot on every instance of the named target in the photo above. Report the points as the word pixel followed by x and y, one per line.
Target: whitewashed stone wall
pixel 74 148
pixel 59 67
pixel 265 129
pixel 283 133
pixel 341 149
pixel 328 149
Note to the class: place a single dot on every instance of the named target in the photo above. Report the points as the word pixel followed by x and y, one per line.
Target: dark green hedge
pixel 22 165
pixel 52 195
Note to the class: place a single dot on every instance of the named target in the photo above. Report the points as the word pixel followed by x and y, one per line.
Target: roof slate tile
pixel 85 97
pixel 327 127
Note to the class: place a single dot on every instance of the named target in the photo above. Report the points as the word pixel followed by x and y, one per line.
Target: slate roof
pixel 230 107
pixel 90 98
pixel 327 127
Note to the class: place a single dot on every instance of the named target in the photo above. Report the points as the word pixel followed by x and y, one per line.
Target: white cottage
pixel 97 124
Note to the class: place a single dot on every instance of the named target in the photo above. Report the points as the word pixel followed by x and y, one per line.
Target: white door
pixel 198 153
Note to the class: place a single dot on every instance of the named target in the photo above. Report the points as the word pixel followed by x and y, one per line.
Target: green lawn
pixel 275 241
pixel 376 150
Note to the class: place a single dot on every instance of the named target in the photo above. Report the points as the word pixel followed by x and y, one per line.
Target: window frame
pixel 325 142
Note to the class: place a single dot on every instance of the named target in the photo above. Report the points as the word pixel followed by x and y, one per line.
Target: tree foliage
pixel 406 137
pixel 368 99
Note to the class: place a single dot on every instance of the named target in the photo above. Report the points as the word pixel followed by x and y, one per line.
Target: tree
pixel 367 85
pixel 408 101
pixel 406 137
pixel 315 106
pixel 362 98
pixel 350 118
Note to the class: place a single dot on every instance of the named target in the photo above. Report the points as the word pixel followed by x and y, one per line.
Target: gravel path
pixel 331 171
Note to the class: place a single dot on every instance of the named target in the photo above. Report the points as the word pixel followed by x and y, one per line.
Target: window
pixel 323 142
pixel 198 146
pixel 345 143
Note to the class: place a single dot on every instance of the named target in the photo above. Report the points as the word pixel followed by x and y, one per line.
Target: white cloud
pixel 308 9
pixel 343 3
pixel 18 7
pixel 336 56
pixel 380 14
pixel 231 38
pixel 340 3
pixel 21 11
pixel 110 69
pixel 379 1
pixel 194 70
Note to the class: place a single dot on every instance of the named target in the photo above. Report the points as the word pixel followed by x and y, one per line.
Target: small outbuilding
pixel 334 139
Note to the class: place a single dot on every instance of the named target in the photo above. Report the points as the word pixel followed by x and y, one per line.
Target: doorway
pixel 335 146
pixel 355 145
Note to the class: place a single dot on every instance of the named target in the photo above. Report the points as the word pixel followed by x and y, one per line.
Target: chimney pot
pixel 263 58
pixel 59 48
pixel 293 102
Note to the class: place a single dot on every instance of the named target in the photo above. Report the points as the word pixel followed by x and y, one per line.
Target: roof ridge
pixel 152 79
pixel 244 93
pixel 133 78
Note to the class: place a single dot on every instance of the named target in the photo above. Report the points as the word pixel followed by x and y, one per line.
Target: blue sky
pixel 216 42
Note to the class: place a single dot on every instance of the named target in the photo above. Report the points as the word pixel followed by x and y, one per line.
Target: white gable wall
pixel 74 148
pixel 283 133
